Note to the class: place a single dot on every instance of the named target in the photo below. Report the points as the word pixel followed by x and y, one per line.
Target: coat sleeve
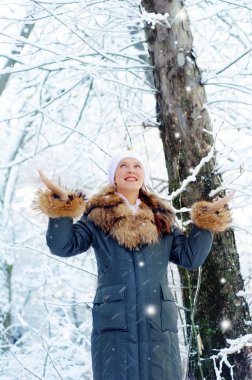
pixel 190 252
pixel 66 239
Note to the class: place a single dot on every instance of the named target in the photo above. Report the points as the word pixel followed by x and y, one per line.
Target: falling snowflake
pixel 226 324
pixel 151 310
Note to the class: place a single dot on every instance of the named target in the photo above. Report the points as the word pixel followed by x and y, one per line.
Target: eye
pixel 137 166
pixel 122 165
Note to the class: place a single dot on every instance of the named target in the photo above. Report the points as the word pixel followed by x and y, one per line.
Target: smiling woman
pixel 132 231
pixel 128 175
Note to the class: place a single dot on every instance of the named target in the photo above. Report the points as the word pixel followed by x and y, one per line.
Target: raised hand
pixel 55 189
pixel 214 216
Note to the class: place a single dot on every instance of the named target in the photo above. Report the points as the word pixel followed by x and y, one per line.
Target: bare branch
pixel 248 50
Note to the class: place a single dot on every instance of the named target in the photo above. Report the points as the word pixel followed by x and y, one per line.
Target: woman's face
pixel 129 175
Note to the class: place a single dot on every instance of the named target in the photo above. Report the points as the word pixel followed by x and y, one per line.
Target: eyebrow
pixel 136 162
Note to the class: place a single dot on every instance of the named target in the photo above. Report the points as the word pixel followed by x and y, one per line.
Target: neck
pixel 132 196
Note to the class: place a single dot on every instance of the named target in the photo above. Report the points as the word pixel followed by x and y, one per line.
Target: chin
pixel 131 186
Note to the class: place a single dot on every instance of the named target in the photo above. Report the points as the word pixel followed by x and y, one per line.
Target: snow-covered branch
pixel 192 177
pixel 236 346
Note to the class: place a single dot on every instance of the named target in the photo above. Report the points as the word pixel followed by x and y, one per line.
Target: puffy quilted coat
pixel 134 335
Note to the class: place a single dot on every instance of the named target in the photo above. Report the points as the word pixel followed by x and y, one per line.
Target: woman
pixel 132 231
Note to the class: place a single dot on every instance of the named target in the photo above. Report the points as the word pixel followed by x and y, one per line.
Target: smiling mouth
pixel 130 179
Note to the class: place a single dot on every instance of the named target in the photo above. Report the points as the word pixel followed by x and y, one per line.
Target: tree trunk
pixel 5 299
pixel 25 32
pixel 16 138
pixel 8 179
pixel 185 130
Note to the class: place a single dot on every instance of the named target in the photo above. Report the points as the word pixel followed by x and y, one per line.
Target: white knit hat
pixel 118 157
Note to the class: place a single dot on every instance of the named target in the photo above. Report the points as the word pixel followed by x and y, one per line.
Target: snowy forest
pixel 81 80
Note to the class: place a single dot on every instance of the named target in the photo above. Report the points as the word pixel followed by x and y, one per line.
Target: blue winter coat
pixel 134 335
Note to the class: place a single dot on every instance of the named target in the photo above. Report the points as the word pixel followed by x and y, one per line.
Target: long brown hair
pixel 163 214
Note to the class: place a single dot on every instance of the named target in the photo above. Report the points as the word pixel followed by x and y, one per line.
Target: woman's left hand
pixel 214 216
pixel 218 204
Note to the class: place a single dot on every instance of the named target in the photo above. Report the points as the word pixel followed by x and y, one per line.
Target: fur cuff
pixel 204 217
pixel 50 204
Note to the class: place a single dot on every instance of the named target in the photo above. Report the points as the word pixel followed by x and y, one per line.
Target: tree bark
pixel 5 300
pixel 25 32
pixel 185 130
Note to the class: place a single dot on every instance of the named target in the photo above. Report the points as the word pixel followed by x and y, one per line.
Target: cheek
pixel 141 174
pixel 119 173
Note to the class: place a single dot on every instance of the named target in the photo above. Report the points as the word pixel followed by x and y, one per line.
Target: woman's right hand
pixel 55 189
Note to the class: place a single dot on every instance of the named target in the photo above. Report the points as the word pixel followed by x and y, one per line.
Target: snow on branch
pixel 155 18
pixel 76 33
pixel 236 345
pixel 185 183
pixel 192 177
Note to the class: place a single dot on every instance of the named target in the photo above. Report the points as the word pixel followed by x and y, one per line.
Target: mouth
pixel 130 179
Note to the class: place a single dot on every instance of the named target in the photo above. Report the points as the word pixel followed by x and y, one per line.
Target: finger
pixel 220 203
pixel 42 176
pixel 227 198
pixel 46 180
pixel 56 189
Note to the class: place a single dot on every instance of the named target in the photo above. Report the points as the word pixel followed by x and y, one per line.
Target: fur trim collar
pixel 108 211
